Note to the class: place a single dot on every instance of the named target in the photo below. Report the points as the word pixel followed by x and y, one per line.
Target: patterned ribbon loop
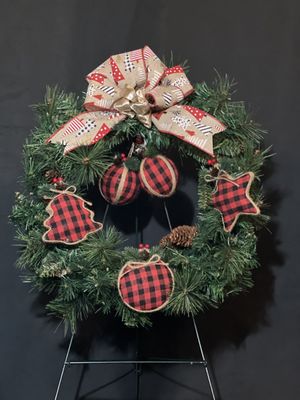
pixel 138 84
pixel 173 88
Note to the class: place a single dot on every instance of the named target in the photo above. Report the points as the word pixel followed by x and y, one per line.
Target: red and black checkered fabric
pixel 231 198
pixel 147 288
pixel 69 221
pixel 156 177
pixel 111 181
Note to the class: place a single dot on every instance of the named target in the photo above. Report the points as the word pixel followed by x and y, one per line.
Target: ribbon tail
pixel 85 129
pixel 189 124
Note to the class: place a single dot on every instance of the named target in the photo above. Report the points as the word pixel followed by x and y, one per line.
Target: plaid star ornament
pixel 232 199
pixel 70 222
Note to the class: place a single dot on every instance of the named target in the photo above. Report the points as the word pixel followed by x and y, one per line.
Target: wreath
pixel 137 117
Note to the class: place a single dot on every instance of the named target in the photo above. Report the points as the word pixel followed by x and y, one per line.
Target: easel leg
pixel 137 375
pixel 64 367
pixel 204 359
pixel 138 367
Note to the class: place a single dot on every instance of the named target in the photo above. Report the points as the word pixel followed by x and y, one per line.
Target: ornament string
pixel 105 213
pixel 131 265
pixel 69 190
pixel 209 178
pixel 220 177
pixel 136 224
pixel 131 150
pixel 167 216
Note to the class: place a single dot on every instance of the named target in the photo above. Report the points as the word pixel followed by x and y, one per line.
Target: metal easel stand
pixel 139 363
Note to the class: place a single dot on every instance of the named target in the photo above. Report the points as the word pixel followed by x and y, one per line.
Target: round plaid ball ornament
pixel 119 185
pixel 158 176
pixel 146 286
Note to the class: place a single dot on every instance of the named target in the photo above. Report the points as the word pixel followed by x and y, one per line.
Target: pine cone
pixel 139 139
pixel 50 174
pixel 181 236
pixel 165 241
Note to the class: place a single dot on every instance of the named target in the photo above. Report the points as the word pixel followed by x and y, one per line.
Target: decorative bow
pixel 137 84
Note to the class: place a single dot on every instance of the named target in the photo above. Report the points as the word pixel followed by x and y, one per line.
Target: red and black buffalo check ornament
pixel 146 286
pixel 231 197
pixel 158 176
pixel 119 185
pixel 70 222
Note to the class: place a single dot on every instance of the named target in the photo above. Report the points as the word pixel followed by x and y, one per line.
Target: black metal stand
pixel 139 363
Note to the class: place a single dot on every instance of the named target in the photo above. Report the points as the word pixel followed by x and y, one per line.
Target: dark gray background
pixel 253 340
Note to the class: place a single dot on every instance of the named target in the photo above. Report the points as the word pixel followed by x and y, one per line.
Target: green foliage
pixel 102 248
pixel 33 250
pixel 133 163
pixel 56 109
pixel 188 297
pixel 85 165
pixel 83 279
pixel 130 318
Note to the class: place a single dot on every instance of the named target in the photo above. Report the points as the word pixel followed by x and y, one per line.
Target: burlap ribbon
pixel 137 84
pixel 130 265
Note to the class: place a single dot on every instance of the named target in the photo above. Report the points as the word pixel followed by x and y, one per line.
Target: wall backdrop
pixel 253 339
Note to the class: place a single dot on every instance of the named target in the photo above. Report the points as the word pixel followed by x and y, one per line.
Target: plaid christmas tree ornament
pixel 158 176
pixel 119 185
pixel 70 222
pixel 232 199
pixel 146 286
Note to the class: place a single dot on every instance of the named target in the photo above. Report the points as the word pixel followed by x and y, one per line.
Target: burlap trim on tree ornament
pixel 70 190
pixel 132 265
pixel 173 177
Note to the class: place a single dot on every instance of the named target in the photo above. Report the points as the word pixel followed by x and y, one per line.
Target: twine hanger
pixel 131 265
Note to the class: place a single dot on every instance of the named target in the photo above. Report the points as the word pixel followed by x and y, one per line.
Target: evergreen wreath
pixel 208 262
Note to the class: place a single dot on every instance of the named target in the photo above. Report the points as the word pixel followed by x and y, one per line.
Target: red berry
pixel 212 161
pixel 60 179
pixel 147 246
pixel 141 246
pixel 54 180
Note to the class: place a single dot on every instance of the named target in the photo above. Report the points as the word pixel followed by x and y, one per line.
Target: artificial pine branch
pixel 102 249
pixel 187 298
pixel 130 318
pixel 86 164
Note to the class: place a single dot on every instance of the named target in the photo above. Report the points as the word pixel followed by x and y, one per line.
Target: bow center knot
pixel 133 103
